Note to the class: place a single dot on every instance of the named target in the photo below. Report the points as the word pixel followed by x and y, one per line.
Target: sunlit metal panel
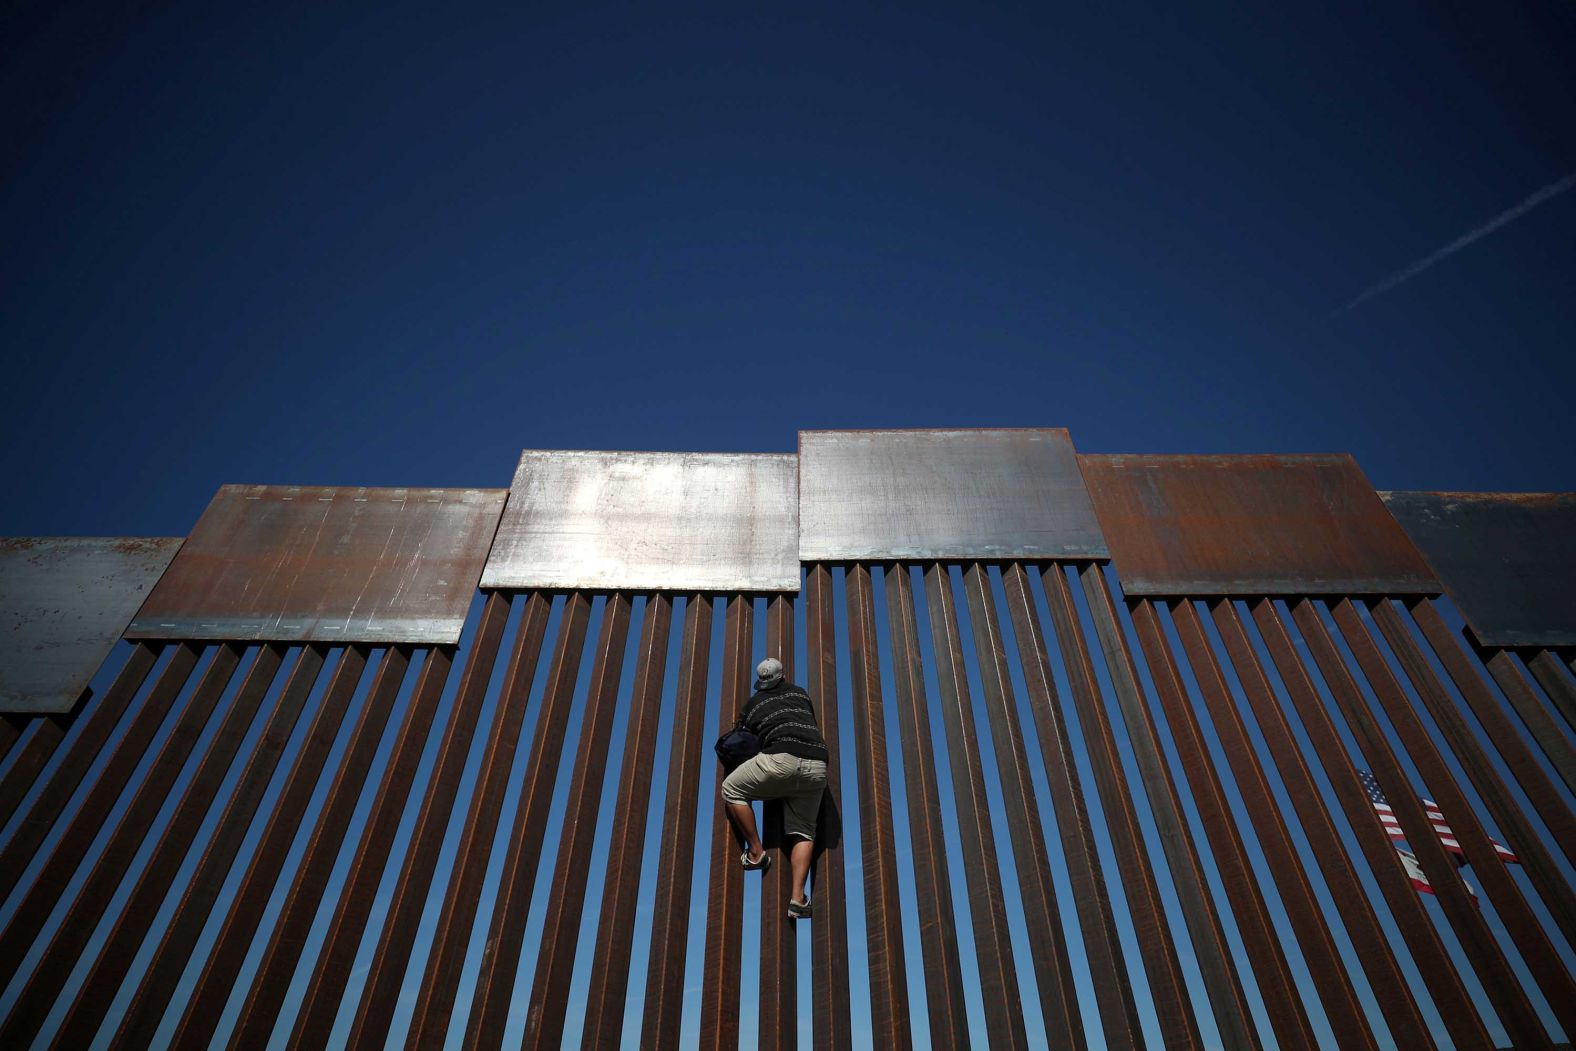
pixel 64 601
pixel 639 520
pixel 326 564
pixel 1250 525
pixel 1507 559
pixel 971 494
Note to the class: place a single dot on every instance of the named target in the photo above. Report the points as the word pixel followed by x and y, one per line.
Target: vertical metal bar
pixel 987 905
pixel 205 1006
pixel 1102 942
pixel 675 863
pixel 779 976
pixel 1525 930
pixel 389 960
pixel 74 765
pixel 501 953
pixel 1511 1003
pixel 315 1019
pixel 440 982
pixel 1215 964
pixel 938 939
pixel 1529 848
pixel 1173 1008
pixel 621 893
pixel 97 992
pixel 719 997
pixel 829 930
pixel 33 756
pixel 1540 722
pixel 1450 996
pixel 1336 993
pixel 1042 917
pixel 1276 984
pixel 11 728
pixel 88 904
pixel 1401 1013
pixel 555 961
pixel 883 916
pixel 1556 683
pixel 1545 798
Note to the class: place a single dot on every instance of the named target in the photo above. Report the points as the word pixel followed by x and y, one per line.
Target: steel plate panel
pixel 643 520
pixel 944 494
pixel 1508 560
pixel 1251 525
pixel 326 564
pixel 64 601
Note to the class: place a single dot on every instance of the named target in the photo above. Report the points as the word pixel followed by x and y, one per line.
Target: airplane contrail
pixel 1548 193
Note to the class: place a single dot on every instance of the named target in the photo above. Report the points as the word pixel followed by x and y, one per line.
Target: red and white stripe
pixel 1414 872
pixel 1447 838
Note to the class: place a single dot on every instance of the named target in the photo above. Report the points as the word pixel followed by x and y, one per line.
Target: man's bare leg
pixel 742 816
pixel 799 858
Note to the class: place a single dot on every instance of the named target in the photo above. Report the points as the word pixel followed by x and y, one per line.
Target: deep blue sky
pixel 395 247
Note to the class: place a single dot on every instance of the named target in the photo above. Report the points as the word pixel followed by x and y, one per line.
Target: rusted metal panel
pixel 1053 977
pixel 1507 560
pixel 889 1023
pixel 1556 681
pixel 675 864
pixel 1523 696
pixel 1199 526
pixel 974 494
pixel 649 521
pixel 778 1019
pixel 32 756
pixel 938 939
pixel 440 982
pixel 326 564
pixel 998 974
pixel 622 891
pixel 64 601
pixel 1400 1011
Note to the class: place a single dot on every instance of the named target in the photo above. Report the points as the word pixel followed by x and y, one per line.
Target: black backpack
pixel 737 745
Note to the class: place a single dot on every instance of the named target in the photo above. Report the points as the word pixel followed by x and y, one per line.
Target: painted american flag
pixel 1392 826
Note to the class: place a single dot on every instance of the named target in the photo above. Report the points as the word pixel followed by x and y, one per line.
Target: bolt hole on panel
pixel 326 564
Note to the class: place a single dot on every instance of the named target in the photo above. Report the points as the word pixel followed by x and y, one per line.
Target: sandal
pixel 761 864
pixel 799 910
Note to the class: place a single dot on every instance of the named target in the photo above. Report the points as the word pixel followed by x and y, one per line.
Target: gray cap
pixel 768 673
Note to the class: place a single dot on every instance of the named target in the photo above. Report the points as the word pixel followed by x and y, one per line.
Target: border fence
pixel 1127 751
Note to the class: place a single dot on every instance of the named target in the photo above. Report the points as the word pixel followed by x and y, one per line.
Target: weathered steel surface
pixel 440 982
pixel 1528 935
pixel 555 960
pixel 1042 917
pixel 32 756
pixel 64 601
pixel 621 893
pixel 998 975
pixel 830 1017
pixel 1523 696
pixel 720 992
pixel 778 1018
pixel 938 938
pixel 1487 958
pixel 501 957
pixel 162 974
pixel 649 521
pixel 889 1022
pixel 1199 526
pixel 675 864
pixel 1473 757
pixel 326 564
pixel 379 995
pixel 1215 963
pixel 205 1006
pixel 1450 996
pixel 1336 994
pixel 1173 1008
pixel 1400 1010
pixel 976 494
pixel 1556 681
pixel 1271 971
pixel 1508 560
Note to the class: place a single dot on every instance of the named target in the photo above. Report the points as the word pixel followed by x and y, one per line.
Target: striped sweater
pixel 783 717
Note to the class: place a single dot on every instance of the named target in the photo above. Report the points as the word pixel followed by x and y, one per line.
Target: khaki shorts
pixel 797 782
